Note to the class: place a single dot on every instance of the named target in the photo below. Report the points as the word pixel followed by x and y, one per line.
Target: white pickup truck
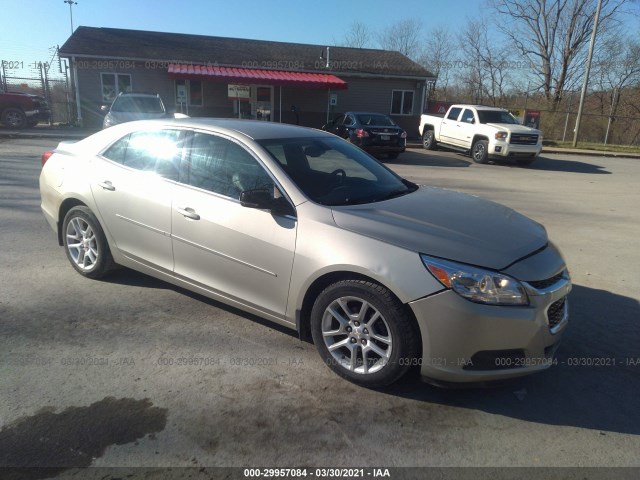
pixel 485 132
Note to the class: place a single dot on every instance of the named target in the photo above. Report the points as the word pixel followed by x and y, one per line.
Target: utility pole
pixel 70 2
pixel 586 73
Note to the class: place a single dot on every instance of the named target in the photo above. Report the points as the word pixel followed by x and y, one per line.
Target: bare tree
pixel 486 63
pixel 553 35
pixel 358 36
pixel 404 37
pixel 437 57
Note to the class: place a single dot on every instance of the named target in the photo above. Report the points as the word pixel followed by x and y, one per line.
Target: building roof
pixel 221 51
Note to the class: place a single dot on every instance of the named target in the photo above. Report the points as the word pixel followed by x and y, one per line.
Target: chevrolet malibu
pixel 302 228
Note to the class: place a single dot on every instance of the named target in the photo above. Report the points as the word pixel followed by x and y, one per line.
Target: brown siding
pixel 144 78
pixel 363 94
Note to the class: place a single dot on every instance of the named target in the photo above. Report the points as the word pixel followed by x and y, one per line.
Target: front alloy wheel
pixel 85 243
pixel 480 151
pixel 356 335
pixel 363 333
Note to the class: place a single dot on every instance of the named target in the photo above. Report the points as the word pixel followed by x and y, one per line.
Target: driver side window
pixel 221 166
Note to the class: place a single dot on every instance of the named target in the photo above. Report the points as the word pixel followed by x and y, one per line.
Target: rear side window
pixel 158 151
pixel 454 113
pixel 223 167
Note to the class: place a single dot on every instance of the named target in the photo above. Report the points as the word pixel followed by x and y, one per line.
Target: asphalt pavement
pixel 73 133
pixel 131 371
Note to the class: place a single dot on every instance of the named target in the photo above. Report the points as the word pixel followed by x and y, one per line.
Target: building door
pixel 262 102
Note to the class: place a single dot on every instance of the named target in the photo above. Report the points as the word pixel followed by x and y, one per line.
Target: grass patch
pixel 593 146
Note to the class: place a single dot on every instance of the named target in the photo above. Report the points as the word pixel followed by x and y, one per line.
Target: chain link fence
pixel 47 79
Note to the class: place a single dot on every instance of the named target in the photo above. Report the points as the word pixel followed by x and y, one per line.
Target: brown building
pixel 232 77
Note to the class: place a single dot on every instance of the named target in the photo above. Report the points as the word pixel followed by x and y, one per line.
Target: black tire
pixel 14 118
pixel 90 255
pixel 480 151
pixel 429 140
pixel 525 162
pixel 392 156
pixel 393 333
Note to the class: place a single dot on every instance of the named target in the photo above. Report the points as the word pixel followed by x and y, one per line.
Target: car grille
pixel 542 284
pixel 555 312
pixel 523 139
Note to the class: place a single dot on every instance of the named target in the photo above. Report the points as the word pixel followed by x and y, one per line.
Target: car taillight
pixel 45 157
pixel 361 133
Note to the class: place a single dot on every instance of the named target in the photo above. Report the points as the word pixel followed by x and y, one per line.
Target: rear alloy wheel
pixel 14 118
pixel 363 333
pixel 429 140
pixel 480 151
pixel 85 243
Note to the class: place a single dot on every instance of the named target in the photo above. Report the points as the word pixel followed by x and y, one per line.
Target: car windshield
pixel 138 105
pixel 332 172
pixel 377 120
pixel 496 116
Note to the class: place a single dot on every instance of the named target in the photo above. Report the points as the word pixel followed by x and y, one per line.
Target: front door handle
pixel 107 185
pixel 188 213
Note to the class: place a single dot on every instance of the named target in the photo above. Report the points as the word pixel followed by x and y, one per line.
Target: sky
pixel 31 27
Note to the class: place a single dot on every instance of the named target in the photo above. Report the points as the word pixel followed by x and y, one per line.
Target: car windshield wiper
pixel 394 193
pixel 376 198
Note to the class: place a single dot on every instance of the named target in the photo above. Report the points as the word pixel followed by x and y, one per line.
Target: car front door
pixel 466 127
pixel 132 183
pixel 243 254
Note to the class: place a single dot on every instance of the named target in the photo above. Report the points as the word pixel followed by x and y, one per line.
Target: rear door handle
pixel 107 185
pixel 188 212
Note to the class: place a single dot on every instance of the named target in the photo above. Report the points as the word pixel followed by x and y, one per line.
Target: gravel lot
pixel 135 372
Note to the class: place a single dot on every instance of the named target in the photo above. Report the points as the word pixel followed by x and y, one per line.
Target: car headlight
pixel 477 284
pixel 501 135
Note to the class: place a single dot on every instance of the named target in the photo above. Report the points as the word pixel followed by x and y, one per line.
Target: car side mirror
pixel 262 199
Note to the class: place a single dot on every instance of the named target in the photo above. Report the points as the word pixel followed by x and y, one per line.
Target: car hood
pixel 514 128
pixel 121 117
pixel 449 225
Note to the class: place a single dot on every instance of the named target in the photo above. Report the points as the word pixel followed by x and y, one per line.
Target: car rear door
pixel 243 254
pixel 132 182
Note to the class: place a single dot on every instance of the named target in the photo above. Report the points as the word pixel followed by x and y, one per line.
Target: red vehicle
pixel 22 110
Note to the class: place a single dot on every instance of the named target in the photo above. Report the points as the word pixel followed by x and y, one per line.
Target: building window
pixel 402 102
pixel 113 84
pixel 189 91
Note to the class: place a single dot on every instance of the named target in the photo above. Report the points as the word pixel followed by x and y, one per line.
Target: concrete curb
pixel 80 133
pixel 567 151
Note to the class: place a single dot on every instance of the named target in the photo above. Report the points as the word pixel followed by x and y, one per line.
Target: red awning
pixel 252 76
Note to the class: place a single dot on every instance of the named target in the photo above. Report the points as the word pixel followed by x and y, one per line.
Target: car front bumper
pixel 504 149
pixel 466 342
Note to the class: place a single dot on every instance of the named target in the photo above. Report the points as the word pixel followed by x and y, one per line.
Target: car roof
pixel 253 129
pixel 480 107
pixel 138 94
pixel 366 113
